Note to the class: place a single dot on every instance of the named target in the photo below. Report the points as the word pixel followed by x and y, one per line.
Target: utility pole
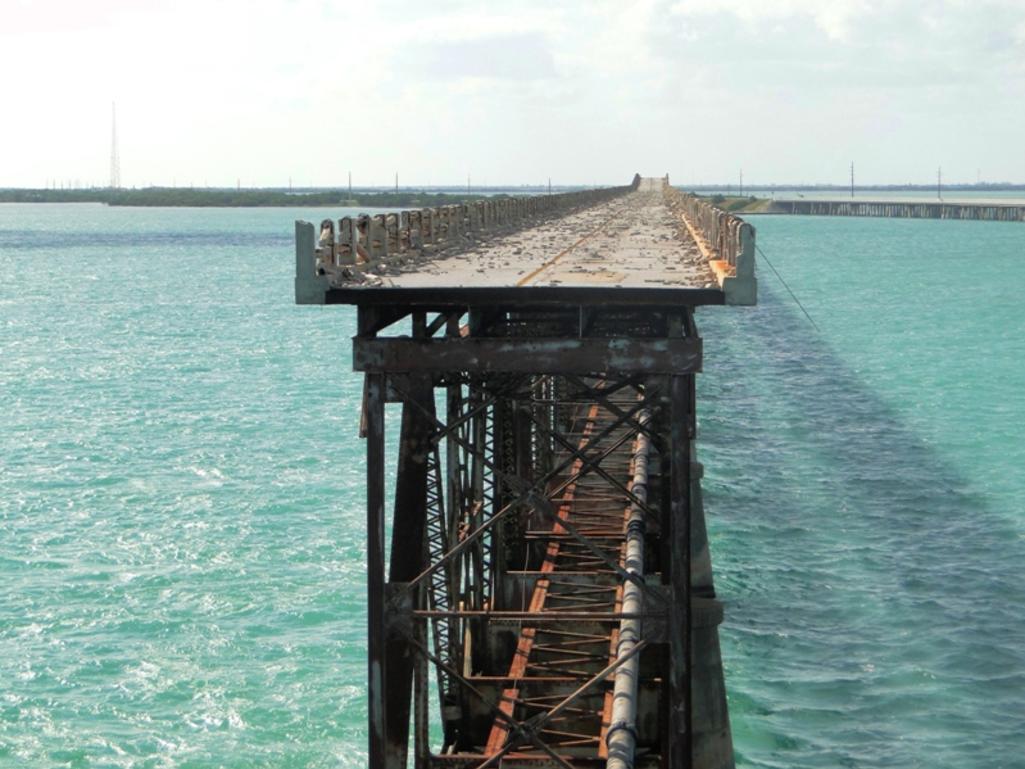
pixel 852 178
pixel 549 185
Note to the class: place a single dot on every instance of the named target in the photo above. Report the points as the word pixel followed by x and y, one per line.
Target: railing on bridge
pixel 362 243
pixel 728 242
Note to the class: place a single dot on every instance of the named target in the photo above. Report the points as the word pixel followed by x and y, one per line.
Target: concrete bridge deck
pixel 631 241
pixel 647 242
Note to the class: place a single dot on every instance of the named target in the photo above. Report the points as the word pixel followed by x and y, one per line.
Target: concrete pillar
pixel 428 225
pixel 346 240
pixel 416 237
pixel 378 237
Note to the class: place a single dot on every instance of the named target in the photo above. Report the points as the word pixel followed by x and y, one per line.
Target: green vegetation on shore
pixel 181 197
pixel 739 205
pixel 207 198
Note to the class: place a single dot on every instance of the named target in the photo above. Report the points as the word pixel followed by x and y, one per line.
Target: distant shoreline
pixel 191 197
pixel 252 198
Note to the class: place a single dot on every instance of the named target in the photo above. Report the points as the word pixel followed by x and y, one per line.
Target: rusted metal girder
pixel 524 486
pixel 536 356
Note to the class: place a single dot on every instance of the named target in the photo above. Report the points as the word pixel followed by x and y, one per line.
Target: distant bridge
pixel 908 209
pixel 548 599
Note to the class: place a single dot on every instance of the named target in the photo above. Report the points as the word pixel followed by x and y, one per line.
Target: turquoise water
pixel 181 505
pixel 866 494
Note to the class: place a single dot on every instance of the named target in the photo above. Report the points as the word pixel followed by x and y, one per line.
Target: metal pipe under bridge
pixel 547 600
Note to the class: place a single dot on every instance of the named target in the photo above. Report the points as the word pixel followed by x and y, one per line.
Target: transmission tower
pixel 115 162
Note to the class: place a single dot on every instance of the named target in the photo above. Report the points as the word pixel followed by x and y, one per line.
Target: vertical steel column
pixel 678 536
pixel 507 459
pixel 407 555
pixel 421 719
pixel 478 558
pixel 488 501
pixel 523 435
pixel 375 566
pixel 456 475
pixel 543 448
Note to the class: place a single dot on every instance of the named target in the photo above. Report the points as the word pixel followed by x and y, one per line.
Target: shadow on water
pixel 874 600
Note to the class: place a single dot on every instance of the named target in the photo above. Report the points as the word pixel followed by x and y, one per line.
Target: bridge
pixel 990 211
pixel 545 597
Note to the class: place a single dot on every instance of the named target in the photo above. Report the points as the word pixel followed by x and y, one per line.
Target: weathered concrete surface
pixel 632 241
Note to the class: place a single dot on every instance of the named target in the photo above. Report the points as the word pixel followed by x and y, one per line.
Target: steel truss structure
pixel 547 599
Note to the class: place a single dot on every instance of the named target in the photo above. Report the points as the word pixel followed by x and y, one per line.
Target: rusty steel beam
pixel 526 494
pixel 535 356
pixel 441 298
pixel 550 615
pixel 527 730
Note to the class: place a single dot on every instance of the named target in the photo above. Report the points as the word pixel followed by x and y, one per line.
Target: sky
pixel 258 92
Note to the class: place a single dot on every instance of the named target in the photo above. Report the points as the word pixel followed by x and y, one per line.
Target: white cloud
pixel 834 18
pixel 580 91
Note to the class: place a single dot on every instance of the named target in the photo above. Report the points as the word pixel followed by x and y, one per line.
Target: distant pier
pixel 993 212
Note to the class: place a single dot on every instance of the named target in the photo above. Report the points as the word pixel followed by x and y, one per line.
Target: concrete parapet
pixel 725 240
pixel 741 287
pixel 311 283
